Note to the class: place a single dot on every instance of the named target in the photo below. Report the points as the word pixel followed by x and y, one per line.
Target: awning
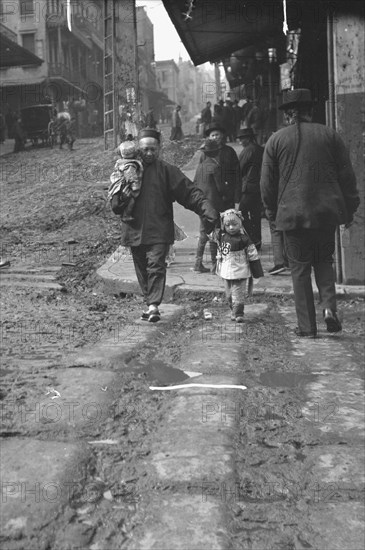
pixel 213 29
pixel 13 55
pixel 217 27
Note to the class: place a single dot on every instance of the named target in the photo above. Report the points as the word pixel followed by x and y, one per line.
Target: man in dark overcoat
pixel 176 125
pixel 218 177
pixel 152 230
pixel 206 115
pixel 308 187
pixel 250 159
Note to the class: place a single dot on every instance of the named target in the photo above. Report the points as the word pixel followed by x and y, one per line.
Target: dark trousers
pixel 203 239
pixel 150 265
pixel 250 207
pixel 306 248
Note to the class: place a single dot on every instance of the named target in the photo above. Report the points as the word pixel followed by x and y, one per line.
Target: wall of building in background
pixel 167 74
pixel 72 73
pixel 196 87
pixel 146 59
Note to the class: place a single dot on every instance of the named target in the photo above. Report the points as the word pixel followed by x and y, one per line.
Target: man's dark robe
pixel 153 222
pixel 218 176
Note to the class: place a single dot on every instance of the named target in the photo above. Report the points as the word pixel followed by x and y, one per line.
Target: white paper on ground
pixel 192 374
pixel 182 386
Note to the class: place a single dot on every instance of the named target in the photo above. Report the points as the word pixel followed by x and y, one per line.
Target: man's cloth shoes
pixel 4 263
pixel 303 334
pixel 331 320
pixel 154 315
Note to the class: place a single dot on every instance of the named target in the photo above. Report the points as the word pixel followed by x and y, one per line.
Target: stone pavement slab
pixel 35 483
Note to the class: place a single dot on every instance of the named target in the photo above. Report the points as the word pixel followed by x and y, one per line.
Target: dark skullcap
pixel 149 132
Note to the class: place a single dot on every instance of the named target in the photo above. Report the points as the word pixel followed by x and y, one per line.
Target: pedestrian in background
pixel 150 119
pixel 71 133
pixel 205 117
pixel 217 117
pixel 237 261
pixel 176 124
pixel 254 120
pixel 62 130
pixel 250 159
pixel 308 187
pixel 19 135
pixel 237 115
pixel 10 119
pixel 228 121
pixel 218 177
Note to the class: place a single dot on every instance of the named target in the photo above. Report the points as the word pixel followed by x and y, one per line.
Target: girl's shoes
pixel 237 318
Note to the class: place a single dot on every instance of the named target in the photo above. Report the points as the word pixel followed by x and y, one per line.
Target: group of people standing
pixel 303 204
pixel 232 117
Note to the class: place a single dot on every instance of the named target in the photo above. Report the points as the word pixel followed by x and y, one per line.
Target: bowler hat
pixel 246 133
pixel 149 132
pixel 300 96
pixel 214 126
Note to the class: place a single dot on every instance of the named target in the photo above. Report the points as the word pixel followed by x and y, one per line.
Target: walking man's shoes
pixel 145 315
pixel 277 269
pixel 332 321
pixel 4 263
pixel 200 268
pixel 154 315
pixel 303 334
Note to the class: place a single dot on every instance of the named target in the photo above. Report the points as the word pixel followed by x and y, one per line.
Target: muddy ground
pixel 57 229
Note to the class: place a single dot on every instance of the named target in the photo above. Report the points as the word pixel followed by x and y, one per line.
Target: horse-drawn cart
pixel 37 124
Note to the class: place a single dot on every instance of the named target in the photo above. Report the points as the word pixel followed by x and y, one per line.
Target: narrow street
pixel 93 458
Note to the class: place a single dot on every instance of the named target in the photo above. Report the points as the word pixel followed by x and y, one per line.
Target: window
pixel 28 42
pixel 26 7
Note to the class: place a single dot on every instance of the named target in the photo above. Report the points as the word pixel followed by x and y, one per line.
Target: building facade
pixel 167 74
pixel 146 60
pixel 71 75
pixel 196 87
